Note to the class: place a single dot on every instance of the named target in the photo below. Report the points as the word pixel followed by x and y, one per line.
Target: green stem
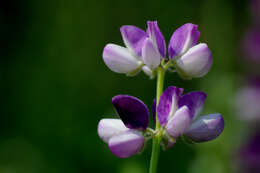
pixel 158 136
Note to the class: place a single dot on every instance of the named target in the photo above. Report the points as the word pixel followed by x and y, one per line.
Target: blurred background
pixel 55 86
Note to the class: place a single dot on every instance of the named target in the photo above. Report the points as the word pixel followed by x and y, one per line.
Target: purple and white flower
pixel 125 136
pixel 179 115
pixel 191 60
pixel 144 50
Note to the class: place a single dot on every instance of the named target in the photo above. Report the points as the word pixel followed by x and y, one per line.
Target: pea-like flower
pixel 191 60
pixel 125 136
pixel 144 50
pixel 179 115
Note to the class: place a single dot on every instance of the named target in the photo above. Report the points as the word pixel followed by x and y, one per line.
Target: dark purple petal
pixel 150 54
pixel 132 111
pixel 182 39
pixel 206 128
pixel 126 144
pixel 179 122
pixel 196 62
pixel 195 102
pixel 119 59
pixel 133 38
pixel 108 128
pixel 168 104
pixel 154 110
pixel 155 34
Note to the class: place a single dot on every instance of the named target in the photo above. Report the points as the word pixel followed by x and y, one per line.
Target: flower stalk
pixel 157 138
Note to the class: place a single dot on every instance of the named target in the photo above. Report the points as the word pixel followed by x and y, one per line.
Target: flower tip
pixel 206 128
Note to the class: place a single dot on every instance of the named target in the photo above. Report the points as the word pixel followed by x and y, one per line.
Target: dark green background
pixel 55 86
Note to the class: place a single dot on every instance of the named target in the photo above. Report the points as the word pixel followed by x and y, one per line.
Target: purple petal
pixel 179 122
pixel 182 39
pixel 155 34
pixel 133 38
pixel 132 111
pixel 196 62
pixel 168 104
pixel 126 144
pixel 206 128
pixel 119 59
pixel 154 110
pixel 195 102
pixel 150 55
pixel 108 128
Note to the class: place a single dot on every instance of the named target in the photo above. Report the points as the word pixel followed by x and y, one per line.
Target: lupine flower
pixel 179 115
pixel 247 101
pixel 144 50
pixel 191 60
pixel 125 136
pixel 251 45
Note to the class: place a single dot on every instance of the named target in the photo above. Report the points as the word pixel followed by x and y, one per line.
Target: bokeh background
pixel 55 86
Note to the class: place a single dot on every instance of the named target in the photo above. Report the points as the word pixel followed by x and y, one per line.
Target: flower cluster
pixel 177 114
pixel 145 50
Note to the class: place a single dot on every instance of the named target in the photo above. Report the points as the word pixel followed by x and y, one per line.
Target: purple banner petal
pixel 182 39
pixel 133 38
pixel 155 34
pixel 168 104
pixel 195 102
pixel 132 111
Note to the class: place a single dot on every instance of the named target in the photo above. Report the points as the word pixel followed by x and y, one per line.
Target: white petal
pixel 119 59
pixel 196 62
pixel 179 123
pixel 126 144
pixel 150 54
pixel 108 128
